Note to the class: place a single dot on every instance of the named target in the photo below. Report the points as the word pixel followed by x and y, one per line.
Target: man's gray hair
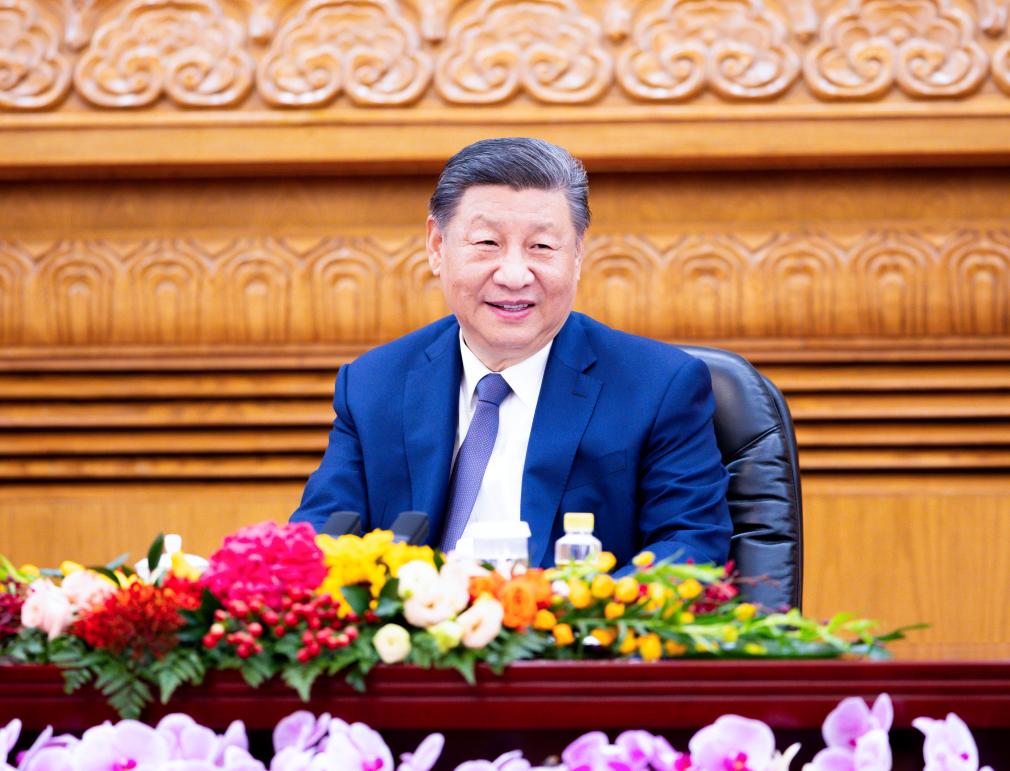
pixel 519 162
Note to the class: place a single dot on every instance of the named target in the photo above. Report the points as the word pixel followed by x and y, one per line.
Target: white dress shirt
pixel 501 489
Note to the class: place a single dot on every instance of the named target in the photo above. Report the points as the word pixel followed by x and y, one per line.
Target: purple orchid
pixel 301 731
pixel 126 745
pixel 856 736
pixel 949 745
pixel 732 743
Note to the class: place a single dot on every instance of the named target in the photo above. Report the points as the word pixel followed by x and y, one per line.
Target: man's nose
pixel 513 272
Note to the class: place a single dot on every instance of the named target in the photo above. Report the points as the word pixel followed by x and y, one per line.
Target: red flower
pixel 10 610
pixel 138 620
pixel 263 561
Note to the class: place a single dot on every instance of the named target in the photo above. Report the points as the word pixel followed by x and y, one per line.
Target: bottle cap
pixel 578 520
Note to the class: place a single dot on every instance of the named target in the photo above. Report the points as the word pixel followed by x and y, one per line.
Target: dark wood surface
pixel 562 695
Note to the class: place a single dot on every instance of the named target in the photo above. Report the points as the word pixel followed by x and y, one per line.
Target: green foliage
pixel 182 666
pixel 358 596
pixel 155 552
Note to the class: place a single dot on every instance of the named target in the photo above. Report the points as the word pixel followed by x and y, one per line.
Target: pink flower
pixel 594 752
pixel 732 743
pixel 424 757
pixel 949 745
pixel 301 730
pixel 265 560
pixel 86 588
pixel 47 608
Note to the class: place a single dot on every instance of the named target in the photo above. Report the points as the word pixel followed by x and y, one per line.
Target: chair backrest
pixel 754 431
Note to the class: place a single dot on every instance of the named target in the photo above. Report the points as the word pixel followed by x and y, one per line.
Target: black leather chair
pixel 755 435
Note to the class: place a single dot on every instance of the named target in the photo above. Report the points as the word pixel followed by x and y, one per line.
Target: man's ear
pixel 433 241
pixel 579 252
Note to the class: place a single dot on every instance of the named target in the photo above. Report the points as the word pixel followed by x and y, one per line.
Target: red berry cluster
pixel 11 600
pixel 313 618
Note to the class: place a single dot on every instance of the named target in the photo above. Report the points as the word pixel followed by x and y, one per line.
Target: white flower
pixel 447 635
pixel 428 604
pixel 392 642
pixel 414 576
pixel 481 623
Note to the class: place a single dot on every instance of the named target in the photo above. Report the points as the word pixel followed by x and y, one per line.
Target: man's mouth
pixel 512 307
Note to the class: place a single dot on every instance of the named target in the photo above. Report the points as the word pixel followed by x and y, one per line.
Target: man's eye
pixel 487 242
pixel 542 246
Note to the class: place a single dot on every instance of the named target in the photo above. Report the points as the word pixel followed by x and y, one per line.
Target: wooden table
pixel 540 705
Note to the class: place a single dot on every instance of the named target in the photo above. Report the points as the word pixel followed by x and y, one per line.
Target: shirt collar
pixel 524 378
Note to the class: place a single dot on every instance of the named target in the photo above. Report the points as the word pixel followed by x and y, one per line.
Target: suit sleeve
pixel 339 482
pixel 682 486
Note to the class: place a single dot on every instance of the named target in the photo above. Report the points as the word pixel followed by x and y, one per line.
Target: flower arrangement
pixel 281 601
pixel 857 738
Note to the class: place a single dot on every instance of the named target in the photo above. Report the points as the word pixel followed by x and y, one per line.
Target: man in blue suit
pixel 516 407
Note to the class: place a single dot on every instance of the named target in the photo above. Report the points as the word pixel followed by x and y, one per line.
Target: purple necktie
pixel 472 458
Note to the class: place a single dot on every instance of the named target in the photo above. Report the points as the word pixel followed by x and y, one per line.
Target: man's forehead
pixel 500 205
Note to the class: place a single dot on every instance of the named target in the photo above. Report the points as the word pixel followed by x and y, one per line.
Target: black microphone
pixel 410 527
pixel 342 523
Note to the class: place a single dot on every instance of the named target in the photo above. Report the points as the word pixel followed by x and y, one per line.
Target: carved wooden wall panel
pixel 896 285
pixel 306 53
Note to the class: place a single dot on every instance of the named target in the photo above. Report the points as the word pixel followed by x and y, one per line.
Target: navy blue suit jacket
pixel 623 428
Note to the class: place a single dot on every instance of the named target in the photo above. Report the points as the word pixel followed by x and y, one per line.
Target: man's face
pixel 509 262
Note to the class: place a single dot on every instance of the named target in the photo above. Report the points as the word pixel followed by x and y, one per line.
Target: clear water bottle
pixel 578 542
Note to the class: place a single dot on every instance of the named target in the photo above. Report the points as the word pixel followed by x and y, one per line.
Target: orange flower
pixel 519 599
pixel 487 584
pixel 563 635
pixel 541 586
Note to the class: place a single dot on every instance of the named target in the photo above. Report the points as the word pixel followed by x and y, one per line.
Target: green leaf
pixel 102 570
pixel 119 562
pixel 358 597
pixel 155 552
pixel 389 599
pixel 301 677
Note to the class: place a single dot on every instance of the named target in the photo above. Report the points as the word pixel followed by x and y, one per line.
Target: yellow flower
pixel 605 635
pixel 552 574
pixel 29 570
pixel 579 594
pixel 397 555
pixel 744 611
pixel 605 561
pixel 643 560
pixel 563 635
pixel 689 589
pixel 703 646
pixel 730 634
pixel 544 620
pixel 613 610
pixel 686 617
pixel 657 596
pixel 603 587
pixel 628 644
pixel 650 647
pixel 626 589
pixel 67 567
pixel 673 648
pixel 754 649
pixel 182 567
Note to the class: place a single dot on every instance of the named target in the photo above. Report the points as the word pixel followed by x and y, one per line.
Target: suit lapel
pixel 430 416
pixel 567 399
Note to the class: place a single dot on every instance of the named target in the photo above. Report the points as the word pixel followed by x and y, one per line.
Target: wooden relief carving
pixel 979 281
pixel 992 15
pixel 186 49
pixel 1001 66
pixel 735 47
pixel 34 74
pixel 77 282
pixel 167 286
pixel 548 48
pixel 800 274
pixel 892 272
pixel 366 48
pixel 622 282
pixel 343 279
pixel 254 287
pixel 927 46
pixel 15 270
pixel 708 275
pixel 898 285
